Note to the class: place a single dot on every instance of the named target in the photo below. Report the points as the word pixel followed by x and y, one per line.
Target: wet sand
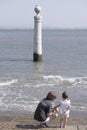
pixel 19 121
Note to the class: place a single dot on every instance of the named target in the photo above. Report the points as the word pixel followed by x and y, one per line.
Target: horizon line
pixel 44 28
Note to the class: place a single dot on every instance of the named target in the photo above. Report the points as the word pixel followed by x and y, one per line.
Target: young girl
pixel 43 112
pixel 64 109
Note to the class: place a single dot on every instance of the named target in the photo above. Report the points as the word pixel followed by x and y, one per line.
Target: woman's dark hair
pixel 64 95
pixel 51 95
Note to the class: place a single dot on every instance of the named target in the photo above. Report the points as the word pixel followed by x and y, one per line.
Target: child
pixel 64 109
pixel 43 112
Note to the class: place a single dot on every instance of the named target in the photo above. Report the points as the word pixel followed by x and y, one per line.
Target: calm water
pixel 24 83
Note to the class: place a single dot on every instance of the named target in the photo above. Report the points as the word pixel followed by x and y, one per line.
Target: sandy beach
pixel 21 121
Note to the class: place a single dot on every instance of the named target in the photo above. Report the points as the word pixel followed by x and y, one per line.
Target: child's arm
pixel 68 108
pixel 55 108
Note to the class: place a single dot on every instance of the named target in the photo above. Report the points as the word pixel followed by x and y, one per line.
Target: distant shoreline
pixel 43 29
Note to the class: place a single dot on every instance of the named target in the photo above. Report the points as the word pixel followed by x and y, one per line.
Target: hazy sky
pixel 55 13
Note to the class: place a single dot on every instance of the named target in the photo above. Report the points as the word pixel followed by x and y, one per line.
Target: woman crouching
pixel 44 111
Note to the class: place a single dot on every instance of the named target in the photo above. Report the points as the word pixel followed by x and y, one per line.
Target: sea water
pixel 23 83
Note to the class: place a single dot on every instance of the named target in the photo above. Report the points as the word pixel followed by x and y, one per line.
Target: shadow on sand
pixel 27 126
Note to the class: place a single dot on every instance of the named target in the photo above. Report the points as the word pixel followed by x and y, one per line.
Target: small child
pixel 64 109
pixel 44 111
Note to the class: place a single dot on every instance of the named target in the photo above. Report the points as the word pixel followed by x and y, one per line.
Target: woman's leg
pixel 43 124
pixel 51 116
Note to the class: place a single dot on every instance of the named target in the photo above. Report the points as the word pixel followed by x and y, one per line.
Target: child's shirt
pixel 64 104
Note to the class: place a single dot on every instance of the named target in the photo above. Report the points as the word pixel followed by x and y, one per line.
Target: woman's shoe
pixel 43 125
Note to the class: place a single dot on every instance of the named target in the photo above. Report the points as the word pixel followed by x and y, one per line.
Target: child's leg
pixel 65 121
pixel 61 121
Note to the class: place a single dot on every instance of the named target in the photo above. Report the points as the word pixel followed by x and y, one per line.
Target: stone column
pixel 37 54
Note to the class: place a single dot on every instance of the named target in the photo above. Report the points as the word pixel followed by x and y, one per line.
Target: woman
pixel 44 111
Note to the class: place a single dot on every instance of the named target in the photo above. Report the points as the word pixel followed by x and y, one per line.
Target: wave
pixel 31 106
pixel 62 81
pixel 22 106
pixel 79 108
pixel 6 83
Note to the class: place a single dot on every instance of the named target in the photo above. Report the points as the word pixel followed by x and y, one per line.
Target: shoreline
pixel 73 114
pixel 24 120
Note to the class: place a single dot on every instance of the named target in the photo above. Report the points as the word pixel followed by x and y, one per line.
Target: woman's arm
pixel 55 108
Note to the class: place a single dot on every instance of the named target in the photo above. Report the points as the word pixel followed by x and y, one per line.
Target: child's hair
pixel 51 95
pixel 64 95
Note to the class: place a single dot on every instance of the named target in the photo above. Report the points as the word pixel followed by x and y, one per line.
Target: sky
pixel 55 13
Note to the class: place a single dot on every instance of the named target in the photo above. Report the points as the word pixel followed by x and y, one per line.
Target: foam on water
pixel 79 108
pixel 7 83
pixel 18 95
pixel 63 81
pixel 22 106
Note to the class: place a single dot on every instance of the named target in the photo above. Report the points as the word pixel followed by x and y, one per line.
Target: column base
pixel 37 57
